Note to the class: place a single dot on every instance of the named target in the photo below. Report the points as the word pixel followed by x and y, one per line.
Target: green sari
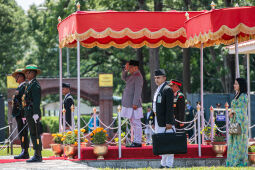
pixel 238 144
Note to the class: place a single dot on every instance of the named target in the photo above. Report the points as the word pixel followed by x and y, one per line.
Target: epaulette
pixel 180 95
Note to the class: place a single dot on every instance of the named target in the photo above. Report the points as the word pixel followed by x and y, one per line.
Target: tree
pixel 14 39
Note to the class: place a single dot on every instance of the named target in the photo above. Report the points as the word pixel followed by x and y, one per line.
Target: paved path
pixel 45 165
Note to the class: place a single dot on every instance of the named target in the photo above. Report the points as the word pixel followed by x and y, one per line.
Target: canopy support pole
pixel 236 57
pixel 60 92
pixel 119 130
pixel 249 90
pixel 78 98
pixel 202 90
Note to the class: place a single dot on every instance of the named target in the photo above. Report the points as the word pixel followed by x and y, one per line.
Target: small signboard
pixel 220 118
pixel 11 83
pixel 105 80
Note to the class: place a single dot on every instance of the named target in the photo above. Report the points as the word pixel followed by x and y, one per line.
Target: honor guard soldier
pixel 132 100
pixel 31 102
pixel 18 113
pixel 179 103
pixel 68 103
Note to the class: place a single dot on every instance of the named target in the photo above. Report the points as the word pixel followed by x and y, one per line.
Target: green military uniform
pixel 179 103
pixel 18 113
pixel 31 102
pixel 179 108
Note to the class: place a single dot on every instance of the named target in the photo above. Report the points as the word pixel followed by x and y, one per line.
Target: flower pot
pixel 47 140
pixel 251 156
pixel 208 142
pixel 219 148
pixel 70 151
pixel 57 149
pixel 100 150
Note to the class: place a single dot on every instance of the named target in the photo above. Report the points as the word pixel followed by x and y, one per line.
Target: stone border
pixel 154 163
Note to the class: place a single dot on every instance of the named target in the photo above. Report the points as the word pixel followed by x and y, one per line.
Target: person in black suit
pixel 148 119
pixel 162 107
pixel 68 102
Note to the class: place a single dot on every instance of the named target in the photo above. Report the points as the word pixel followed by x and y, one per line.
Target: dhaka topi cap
pixel 134 63
pixel 66 85
pixel 160 72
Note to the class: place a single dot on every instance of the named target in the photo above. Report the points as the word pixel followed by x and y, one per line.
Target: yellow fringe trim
pixel 211 38
pixel 119 34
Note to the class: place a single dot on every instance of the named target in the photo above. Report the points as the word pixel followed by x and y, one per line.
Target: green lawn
pixel 17 151
pixel 197 168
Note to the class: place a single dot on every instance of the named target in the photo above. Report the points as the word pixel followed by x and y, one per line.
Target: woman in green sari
pixel 238 144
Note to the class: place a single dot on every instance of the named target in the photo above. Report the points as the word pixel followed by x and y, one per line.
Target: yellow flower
pixel 106 135
pixel 62 139
pixel 86 140
pixel 104 131
pixel 83 130
pixel 54 135
pixel 75 131
pixel 91 138
pixel 64 136
pixel 91 134
pixel 60 135
pixel 69 132
pixel 75 143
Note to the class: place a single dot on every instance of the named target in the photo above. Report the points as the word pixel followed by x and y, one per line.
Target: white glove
pixel 35 117
pixel 24 120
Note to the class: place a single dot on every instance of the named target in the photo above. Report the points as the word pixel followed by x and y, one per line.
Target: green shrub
pixel 251 148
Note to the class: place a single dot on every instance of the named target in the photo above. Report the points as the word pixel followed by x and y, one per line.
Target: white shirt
pixel 148 115
pixel 66 96
pixel 155 96
pixel 21 83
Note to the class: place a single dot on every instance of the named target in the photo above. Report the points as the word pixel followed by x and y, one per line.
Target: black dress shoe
pixel 135 145
pixel 22 155
pixel 161 167
pixel 35 158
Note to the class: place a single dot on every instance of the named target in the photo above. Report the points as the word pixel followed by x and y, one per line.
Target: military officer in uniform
pixel 68 102
pixel 18 113
pixel 31 102
pixel 132 101
pixel 179 103
pixel 162 107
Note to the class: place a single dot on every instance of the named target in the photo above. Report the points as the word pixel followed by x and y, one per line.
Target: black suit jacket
pixel 150 118
pixel 68 102
pixel 164 109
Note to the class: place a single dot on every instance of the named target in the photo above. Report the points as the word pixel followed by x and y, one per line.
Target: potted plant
pixel 70 140
pixel 251 154
pixel 98 139
pixel 123 134
pixel 57 147
pixel 207 133
pixel 219 144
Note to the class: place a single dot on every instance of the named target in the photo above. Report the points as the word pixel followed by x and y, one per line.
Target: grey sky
pixel 25 4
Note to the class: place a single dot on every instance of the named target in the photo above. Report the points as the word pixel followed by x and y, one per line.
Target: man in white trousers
pixel 162 107
pixel 132 101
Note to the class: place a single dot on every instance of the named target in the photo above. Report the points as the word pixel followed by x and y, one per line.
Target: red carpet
pixel 145 152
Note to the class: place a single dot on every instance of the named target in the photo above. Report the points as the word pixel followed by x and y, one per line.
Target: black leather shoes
pixel 22 155
pixel 135 145
pixel 35 158
pixel 162 167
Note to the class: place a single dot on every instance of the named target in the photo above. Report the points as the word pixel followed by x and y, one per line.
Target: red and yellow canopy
pixel 220 26
pixel 122 29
